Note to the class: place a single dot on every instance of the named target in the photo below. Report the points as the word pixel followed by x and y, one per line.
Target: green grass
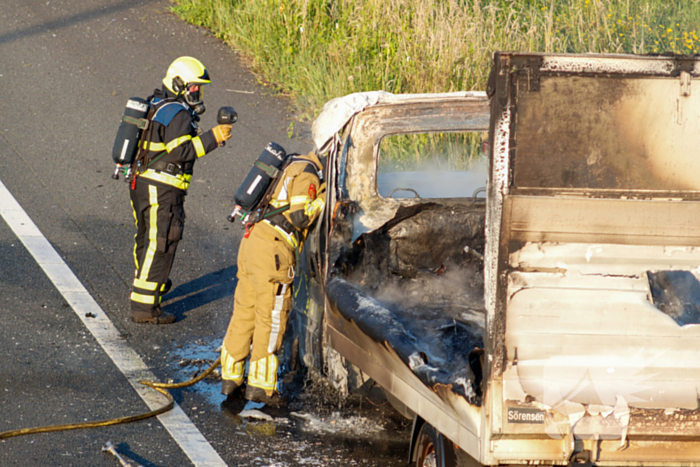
pixel 315 50
pixel 430 151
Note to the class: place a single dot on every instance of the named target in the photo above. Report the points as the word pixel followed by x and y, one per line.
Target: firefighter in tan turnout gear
pixel 161 174
pixel 266 262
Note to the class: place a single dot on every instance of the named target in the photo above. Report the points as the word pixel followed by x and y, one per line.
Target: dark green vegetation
pixel 315 50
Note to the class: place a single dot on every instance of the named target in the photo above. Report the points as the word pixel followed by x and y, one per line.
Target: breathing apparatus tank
pixel 264 171
pixel 126 143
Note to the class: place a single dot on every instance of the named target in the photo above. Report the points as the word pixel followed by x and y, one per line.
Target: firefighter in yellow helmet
pixel 162 172
pixel 263 297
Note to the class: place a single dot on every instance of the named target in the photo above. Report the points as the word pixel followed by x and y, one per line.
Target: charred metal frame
pixel 506 231
pixel 356 208
pixel 511 425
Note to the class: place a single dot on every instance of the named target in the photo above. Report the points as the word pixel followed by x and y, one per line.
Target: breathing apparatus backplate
pixel 167 112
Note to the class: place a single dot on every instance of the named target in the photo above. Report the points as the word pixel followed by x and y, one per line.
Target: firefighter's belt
pixel 282 223
pixel 290 238
pixel 166 167
pixel 181 181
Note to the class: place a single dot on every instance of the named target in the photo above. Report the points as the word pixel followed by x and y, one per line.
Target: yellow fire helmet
pixel 186 76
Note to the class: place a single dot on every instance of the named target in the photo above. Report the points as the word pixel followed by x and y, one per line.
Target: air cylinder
pixel 265 169
pixel 133 123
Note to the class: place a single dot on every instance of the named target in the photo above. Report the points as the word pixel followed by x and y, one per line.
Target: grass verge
pixel 315 50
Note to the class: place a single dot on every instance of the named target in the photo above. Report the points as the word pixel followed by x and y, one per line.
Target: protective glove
pixel 222 133
pixel 313 208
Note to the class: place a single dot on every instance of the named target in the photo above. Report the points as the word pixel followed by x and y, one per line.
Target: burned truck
pixel 518 270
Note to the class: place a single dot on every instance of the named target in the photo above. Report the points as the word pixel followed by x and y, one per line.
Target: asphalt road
pixel 67 69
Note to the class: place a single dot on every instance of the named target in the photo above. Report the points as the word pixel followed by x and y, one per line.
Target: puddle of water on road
pixel 191 359
pixel 310 431
pixel 316 434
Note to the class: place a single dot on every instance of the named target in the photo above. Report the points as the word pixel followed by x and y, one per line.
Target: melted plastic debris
pixel 254 440
pixel 337 423
pixel 413 286
pixel 676 293
pixel 456 293
pixel 255 413
pixel 448 349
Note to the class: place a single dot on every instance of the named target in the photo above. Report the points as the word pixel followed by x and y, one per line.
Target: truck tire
pixel 433 449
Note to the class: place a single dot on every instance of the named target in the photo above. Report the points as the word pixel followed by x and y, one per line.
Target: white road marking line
pixel 180 427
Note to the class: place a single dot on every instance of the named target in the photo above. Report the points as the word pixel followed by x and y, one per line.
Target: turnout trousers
pixel 261 307
pixel 160 218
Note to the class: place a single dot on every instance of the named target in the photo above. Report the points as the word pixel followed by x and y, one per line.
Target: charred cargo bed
pixel 593 259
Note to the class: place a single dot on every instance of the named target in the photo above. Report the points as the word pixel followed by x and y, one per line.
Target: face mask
pixel 194 98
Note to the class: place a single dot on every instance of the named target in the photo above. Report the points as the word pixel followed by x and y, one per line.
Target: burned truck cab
pixel 391 286
pixel 543 311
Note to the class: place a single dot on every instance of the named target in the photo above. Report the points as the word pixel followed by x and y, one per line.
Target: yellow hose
pixel 160 387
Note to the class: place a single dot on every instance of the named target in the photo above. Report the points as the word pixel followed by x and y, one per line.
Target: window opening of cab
pixel 432 165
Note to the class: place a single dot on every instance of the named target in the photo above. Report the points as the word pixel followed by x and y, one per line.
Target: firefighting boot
pixel 232 373
pixel 229 388
pixel 255 394
pixel 157 316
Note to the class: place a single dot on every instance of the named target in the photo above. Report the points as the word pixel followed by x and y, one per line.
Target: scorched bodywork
pixel 545 310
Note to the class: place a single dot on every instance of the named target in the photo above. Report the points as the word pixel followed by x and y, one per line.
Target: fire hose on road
pixel 160 387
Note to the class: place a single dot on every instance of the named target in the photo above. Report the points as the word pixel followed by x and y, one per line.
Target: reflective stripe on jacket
pixel 173 142
pixel 301 189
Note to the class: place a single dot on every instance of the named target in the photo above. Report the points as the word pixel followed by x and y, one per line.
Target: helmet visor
pixel 194 94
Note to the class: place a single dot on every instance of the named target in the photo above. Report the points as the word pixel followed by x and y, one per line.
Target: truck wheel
pixel 433 450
